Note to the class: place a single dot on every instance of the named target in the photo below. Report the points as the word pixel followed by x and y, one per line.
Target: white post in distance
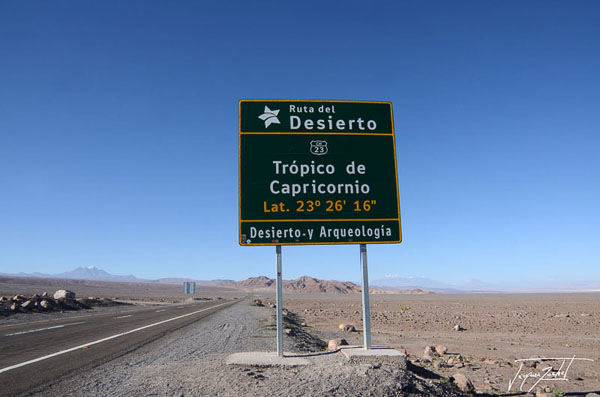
pixel 279 304
pixel 365 296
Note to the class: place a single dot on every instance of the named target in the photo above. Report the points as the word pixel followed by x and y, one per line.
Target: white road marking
pixel 74 317
pixel 129 315
pixel 6 369
pixel 181 307
pixel 52 319
pixel 161 310
pixel 43 329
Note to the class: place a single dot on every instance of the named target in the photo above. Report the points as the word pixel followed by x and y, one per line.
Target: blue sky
pixel 118 132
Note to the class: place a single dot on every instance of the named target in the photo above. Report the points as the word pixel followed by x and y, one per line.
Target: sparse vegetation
pixel 558 393
pixel 404 308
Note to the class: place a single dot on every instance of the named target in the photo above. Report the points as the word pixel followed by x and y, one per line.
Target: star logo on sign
pixel 269 116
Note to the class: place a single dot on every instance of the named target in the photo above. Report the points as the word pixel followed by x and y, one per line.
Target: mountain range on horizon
pixel 94 273
pixel 391 282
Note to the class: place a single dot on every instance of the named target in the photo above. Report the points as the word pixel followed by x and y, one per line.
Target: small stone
pixel 458 327
pixel 428 353
pixel 441 349
pixel 288 331
pixel 45 304
pixel 335 344
pixel 257 302
pixel 349 328
pixel 542 393
pixel 28 305
pixel 530 364
pixel 463 383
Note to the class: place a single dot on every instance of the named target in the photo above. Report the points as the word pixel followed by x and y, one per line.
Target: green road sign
pixel 317 172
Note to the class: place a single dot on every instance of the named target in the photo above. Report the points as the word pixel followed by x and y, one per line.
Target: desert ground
pixel 495 332
pixel 498 329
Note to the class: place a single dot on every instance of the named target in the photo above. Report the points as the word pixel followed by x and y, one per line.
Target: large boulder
pixel 64 294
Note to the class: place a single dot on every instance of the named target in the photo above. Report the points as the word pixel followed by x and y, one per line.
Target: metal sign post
pixel 279 303
pixel 365 295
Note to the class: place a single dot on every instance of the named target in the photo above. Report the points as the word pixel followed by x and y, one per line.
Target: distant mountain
pixel 303 284
pixel 178 280
pixel 393 281
pixel 94 273
pixel 254 282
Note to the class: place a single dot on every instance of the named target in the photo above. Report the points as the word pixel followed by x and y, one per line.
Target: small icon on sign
pixel 318 148
pixel 269 116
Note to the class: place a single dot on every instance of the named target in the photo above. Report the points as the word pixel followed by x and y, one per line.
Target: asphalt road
pixel 36 353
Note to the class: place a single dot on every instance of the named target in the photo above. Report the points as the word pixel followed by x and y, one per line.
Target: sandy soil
pixel 498 330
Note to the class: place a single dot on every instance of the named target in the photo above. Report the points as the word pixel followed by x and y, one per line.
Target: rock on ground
pixel 64 294
pixel 463 383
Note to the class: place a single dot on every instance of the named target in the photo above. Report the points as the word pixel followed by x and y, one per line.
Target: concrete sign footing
pixel 265 359
pixel 376 353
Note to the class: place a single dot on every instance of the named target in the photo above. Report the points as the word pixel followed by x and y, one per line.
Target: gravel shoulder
pixel 191 362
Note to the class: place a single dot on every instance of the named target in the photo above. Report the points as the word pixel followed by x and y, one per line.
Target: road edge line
pixel 35 360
